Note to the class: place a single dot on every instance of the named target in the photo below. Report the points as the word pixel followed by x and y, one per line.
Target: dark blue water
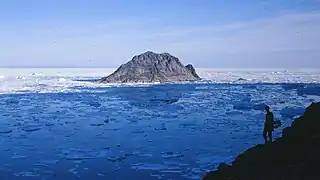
pixel 158 132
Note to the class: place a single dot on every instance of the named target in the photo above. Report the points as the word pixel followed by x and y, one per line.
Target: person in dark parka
pixel 268 125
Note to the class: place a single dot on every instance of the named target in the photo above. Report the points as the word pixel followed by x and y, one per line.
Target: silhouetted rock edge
pixel 294 156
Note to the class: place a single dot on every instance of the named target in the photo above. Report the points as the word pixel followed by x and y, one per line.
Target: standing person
pixel 268 125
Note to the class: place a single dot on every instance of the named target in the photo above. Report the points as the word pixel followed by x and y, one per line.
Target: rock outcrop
pixel 193 71
pixel 294 156
pixel 152 67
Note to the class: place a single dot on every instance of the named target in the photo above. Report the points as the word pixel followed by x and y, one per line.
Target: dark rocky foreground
pixel 294 156
pixel 151 67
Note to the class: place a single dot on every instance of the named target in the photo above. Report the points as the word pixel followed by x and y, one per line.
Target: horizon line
pixel 96 67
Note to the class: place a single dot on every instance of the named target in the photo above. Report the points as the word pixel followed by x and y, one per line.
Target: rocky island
pixel 294 156
pixel 151 67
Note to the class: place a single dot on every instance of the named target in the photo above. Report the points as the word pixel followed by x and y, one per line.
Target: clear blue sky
pixel 206 33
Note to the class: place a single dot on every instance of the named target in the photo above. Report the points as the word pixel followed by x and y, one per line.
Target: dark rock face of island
pixel 151 67
pixel 192 70
pixel 294 156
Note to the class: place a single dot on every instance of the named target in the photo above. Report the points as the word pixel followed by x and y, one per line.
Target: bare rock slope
pixel 152 67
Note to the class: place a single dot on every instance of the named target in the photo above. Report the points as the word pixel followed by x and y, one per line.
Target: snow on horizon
pixel 54 80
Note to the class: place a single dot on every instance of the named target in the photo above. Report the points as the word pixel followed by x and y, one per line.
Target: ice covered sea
pixel 57 124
